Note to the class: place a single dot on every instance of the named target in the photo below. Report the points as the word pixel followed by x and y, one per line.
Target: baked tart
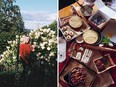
pixel 90 36
pixel 75 21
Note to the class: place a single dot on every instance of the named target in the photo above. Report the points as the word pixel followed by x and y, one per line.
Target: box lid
pixel 106 10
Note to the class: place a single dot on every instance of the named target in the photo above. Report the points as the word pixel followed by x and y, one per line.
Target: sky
pixel 37 13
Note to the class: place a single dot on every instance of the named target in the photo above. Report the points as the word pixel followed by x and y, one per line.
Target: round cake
pixel 75 21
pixel 90 36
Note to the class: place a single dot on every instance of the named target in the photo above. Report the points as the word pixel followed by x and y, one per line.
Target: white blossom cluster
pixel 10 52
pixel 44 39
pixel 46 42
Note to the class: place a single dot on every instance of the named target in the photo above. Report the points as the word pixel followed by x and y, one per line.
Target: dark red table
pixel 112 71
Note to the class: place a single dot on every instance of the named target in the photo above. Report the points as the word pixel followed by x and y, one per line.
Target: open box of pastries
pixel 73 26
pixel 103 64
pixel 76 74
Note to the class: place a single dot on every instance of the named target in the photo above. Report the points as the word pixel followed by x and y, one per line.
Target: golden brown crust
pixel 90 36
pixel 75 22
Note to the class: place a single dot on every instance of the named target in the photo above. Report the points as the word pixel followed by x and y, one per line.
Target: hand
pixel 33 48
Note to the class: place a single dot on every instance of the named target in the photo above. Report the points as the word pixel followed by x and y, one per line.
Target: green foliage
pixel 52 26
pixel 11 22
pixel 10 16
pixel 105 40
pixel 0 2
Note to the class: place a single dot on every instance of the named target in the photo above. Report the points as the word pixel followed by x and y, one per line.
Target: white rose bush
pixel 45 42
pixel 8 57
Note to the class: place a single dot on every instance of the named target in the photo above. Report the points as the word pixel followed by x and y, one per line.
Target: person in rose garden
pixel 30 73
pixel 25 51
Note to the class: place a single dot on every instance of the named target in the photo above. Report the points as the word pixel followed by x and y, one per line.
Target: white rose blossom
pixel 44 30
pixel 42 44
pixel 9 42
pixel 41 57
pixel 48 48
pixel 14 42
pixel 36 37
pixel 51 54
pixel 52 32
pixel 43 47
pixel 37 55
pixel 14 57
pixel 2 55
pixel 47 31
pixel 38 46
pixel 17 36
pixel 7 47
pixel 41 33
pixel 35 43
pixel 49 34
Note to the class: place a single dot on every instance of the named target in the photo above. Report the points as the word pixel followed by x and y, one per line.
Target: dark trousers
pixel 24 74
pixel 31 74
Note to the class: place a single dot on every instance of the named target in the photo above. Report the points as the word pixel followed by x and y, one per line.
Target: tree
pixel 11 22
pixel 52 26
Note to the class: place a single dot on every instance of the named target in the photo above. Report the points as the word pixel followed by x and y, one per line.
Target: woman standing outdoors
pixel 25 52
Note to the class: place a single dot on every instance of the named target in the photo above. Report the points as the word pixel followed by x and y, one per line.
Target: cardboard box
pixel 106 64
pixel 105 12
pixel 95 22
pixel 72 63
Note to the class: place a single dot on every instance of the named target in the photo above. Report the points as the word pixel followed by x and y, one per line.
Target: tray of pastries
pixel 75 24
pixel 76 74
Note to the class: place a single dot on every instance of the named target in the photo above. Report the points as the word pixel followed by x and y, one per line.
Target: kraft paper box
pixel 107 64
pixel 104 13
pixel 95 17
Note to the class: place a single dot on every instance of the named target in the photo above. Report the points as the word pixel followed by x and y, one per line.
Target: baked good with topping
pixel 75 21
pixel 64 28
pixel 71 33
pixel 66 33
pixel 76 77
pixel 68 37
pixel 90 36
